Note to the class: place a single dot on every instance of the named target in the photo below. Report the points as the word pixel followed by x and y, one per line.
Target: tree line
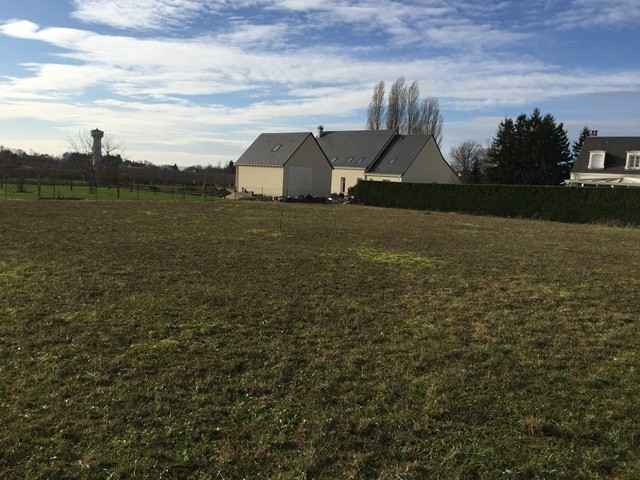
pixel 77 166
pixel 403 110
pixel 17 165
pixel 530 150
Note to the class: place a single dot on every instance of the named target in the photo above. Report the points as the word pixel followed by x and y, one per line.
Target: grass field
pixel 262 340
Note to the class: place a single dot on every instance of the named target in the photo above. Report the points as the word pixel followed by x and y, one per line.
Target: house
pixel 284 164
pixel 291 164
pixel 383 155
pixel 609 161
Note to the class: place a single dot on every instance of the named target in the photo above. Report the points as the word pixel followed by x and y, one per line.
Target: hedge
pixel 558 203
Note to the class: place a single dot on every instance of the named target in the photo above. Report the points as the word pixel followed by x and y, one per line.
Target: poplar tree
pixel 375 113
pixel 396 105
pixel 405 111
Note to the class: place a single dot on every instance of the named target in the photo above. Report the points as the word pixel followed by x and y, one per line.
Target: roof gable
pixel 273 149
pixel 616 149
pixel 356 148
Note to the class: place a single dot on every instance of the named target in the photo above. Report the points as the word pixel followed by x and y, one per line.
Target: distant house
pixel 608 161
pixel 284 164
pixel 332 162
pixel 383 155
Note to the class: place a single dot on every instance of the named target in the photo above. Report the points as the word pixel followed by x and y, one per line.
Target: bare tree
pixel 469 161
pixel 411 124
pixel 82 143
pixel 405 111
pixel 431 119
pixel 375 113
pixel 396 104
pixel 112 146
pixel 82 146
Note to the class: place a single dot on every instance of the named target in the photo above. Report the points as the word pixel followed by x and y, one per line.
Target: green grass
pixel 262 340
pixel 82 192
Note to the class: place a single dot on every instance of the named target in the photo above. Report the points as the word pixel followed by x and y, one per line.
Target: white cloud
pixel 137 14
pixel 598 13
pixel 217 88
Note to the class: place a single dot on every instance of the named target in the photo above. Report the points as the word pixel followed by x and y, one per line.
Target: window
pixel 393 160
pixel 360 160
pixel 633 160
pixel 349 160
pixel 596 158
pixel 333 160
pixel 342 184
pixel 276 148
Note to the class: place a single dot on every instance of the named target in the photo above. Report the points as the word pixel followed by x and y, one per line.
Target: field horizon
pixel 266 340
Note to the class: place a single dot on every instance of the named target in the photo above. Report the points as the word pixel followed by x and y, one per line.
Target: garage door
pixel 299 181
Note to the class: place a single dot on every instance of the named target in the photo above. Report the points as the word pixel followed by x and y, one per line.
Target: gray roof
pixel 399 156
pixel 356 148
pixel 273 149
pixel 616 149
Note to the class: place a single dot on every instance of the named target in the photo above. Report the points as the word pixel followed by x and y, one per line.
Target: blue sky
pixel 195 81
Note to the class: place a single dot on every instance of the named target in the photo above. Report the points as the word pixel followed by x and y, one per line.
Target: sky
pixel 194 82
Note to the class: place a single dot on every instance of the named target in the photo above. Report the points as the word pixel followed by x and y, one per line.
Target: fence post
pixel 203 185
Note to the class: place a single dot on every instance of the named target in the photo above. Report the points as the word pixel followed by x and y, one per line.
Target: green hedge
pixel 564 204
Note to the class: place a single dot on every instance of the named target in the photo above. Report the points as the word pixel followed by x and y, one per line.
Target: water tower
pixel 97 145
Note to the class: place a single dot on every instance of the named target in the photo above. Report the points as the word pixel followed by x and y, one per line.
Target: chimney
pixel 593 133
pixel 320 130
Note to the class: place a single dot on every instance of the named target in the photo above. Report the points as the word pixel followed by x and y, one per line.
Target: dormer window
pixel 596 159
pixel 633 160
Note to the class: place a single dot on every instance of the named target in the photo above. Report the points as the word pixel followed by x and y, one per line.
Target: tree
pixel 405 111
pixel 411 123
pixel 396 105
pixel 469 161
pixel 430 122
pixel 530 151
pixel 82 154
pixel 230 168
pixel 577 145
pixel 375 113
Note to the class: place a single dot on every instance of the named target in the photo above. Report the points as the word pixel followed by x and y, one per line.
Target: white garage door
pixel 299 181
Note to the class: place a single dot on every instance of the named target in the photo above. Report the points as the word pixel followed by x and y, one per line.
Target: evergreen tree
pixel 577 145
pixel 530 151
